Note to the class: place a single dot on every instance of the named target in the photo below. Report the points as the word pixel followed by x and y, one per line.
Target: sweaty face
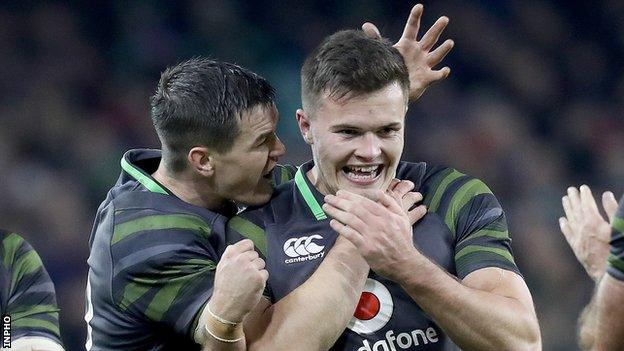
pixel 243 174
pixel 357 144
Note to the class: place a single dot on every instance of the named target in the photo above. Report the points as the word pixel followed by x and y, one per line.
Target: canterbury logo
pixel 303 246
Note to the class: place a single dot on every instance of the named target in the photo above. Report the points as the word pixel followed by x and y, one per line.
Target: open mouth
pixel 362 174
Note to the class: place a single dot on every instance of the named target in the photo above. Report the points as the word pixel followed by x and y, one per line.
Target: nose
pixel 369 148
pixel 278 150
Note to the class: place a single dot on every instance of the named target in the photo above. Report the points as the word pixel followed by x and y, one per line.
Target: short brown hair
pixel 349 64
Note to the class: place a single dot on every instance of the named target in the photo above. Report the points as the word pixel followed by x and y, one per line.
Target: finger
pixel 437 55
pixel 393 183
pixel 249 256
pixel 390 204
pixel 239 247
pixel 371 30
pixel 349 233
pixel 433 34
pixel 564 225
pixel 403 188
pixel 440 74
pixel 346 218
pixel 588 203
pixel 575 202
pixel 410 32
pixel 258 263
pixel 362 205
pixel 417 214
pixel 411 199
pixel 265 275
pixel 567 208
pixel 610 205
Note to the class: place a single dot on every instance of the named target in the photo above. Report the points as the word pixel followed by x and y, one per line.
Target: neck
pixel 315 179
pixel 193 190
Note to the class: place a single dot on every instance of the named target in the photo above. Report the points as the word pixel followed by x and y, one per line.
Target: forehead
pixel 385 106
pixel 259 119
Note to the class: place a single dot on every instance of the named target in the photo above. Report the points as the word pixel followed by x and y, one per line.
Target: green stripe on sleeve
pixel 497 234
pixel 27 263
pixel 471 249
pixel 250 231
pixel 31 310
pixel 132 292
pixel 441 188
pixel 616 262
pixel 163 300
pixel 10 245
pixel 461 197
pixel 35 323
pixel 618 224
pixel 158 222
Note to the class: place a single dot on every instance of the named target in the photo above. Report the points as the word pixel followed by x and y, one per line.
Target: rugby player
pixel 451 274
pixel 598 243
pixel 27 300
pixel 152 280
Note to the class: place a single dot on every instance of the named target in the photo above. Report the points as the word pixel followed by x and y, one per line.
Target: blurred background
pixel 534 104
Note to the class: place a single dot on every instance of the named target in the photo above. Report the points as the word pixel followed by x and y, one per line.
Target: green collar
pixel 142 177
pixel 309 198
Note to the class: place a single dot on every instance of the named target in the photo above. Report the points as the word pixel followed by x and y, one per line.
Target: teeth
pixel 366 169
pixel 361 176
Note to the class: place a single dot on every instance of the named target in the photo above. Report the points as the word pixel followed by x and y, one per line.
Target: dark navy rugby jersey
pixel 616 258
pixel 152 262
pixel 26 291
pixel 464 230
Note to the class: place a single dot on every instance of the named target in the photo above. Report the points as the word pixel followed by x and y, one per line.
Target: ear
pixel 201 161
pixel 303 120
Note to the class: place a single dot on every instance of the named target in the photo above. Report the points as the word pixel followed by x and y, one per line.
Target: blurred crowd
pixel 535 103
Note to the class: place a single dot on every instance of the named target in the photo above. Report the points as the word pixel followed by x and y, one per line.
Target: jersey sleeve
pixel 478 221
pixel 616 259
pixel 31 297
pixel 164 266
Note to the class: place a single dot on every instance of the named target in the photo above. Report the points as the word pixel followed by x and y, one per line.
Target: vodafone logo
pixel 374 309
pixel 303 249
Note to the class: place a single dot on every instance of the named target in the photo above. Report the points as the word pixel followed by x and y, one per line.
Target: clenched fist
pixel 239 281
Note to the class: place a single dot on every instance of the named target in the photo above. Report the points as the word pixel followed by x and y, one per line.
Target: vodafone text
pixel 402 341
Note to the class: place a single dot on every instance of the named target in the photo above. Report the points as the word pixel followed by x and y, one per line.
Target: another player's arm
pixel 600 325
pixel 490 309
pixel 32 304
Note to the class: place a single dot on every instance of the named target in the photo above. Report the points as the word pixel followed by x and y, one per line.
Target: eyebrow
pixel 261 136
pixel 352 126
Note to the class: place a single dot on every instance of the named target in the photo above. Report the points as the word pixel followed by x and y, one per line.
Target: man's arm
pixel 610 309
pixel 490 309
pixel 588 233
pixel 31 297
pixel 315 314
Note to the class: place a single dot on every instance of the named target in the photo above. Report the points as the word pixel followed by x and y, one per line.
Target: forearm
pixel 474 319
pixel 315 314
pixel 215 335
pixel 609 306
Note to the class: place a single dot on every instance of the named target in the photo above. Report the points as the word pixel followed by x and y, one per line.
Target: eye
pixel 348 132
pixel 387 131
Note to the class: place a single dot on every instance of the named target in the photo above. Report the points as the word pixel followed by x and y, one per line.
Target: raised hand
pixel 419 57
pixel 586 230
pixel 239 281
